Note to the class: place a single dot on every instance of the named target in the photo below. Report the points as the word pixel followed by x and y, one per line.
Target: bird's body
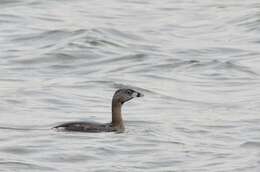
pixel 86 127
pixel 117 125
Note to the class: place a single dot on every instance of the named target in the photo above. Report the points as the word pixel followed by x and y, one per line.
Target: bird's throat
pixel 117 120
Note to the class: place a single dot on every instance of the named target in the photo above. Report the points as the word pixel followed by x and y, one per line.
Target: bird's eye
pixel 129 92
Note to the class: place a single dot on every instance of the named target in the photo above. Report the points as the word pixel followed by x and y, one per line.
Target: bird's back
pixel 86 127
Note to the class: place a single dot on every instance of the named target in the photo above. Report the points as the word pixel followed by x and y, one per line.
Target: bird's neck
pixel 117 120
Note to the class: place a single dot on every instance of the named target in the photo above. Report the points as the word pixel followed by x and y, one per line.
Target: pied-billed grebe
pixel 120 97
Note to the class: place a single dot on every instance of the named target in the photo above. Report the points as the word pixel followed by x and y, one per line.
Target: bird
pixel 116 125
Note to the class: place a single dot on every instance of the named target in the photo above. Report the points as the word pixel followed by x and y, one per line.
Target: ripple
pixel 251 145
pixel 14 165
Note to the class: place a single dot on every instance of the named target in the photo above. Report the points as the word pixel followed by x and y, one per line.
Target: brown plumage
pixel 120 97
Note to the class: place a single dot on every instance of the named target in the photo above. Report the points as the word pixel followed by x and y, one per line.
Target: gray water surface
pixel 196 62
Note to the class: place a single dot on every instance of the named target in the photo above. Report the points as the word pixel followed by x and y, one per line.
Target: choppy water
pixel 197 62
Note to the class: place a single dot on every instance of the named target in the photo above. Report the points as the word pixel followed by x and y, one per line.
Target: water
pixel 197 62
